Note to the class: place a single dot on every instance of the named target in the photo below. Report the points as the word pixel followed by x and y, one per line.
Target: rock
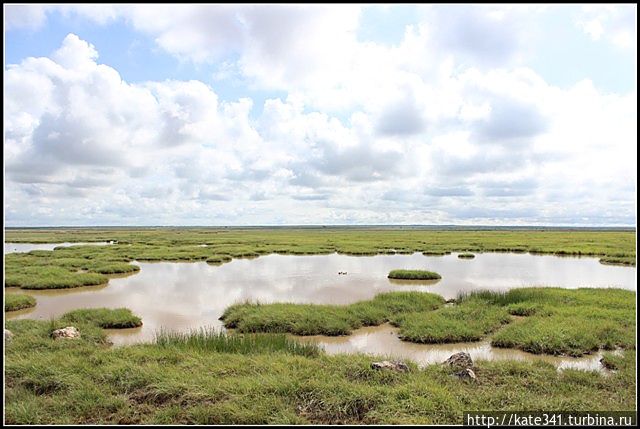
pixel 607 364
pixel 8 335
pixel 394 365
pixel 467 374
pixel 450 301
pixel 461 360
pixel 68 332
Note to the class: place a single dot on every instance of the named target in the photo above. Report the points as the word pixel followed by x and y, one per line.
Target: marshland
pixel 256 325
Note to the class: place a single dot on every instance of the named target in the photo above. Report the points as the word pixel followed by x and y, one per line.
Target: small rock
pixel 8 335
pixel 608 365
pixel 460 360
pixel 467 373
pixel 68 332
pixel 394 365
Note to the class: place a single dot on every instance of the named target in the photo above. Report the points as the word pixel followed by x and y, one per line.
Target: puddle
pixel 28 247
pixel 183 296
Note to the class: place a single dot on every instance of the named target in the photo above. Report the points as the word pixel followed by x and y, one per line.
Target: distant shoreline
pixel 389 227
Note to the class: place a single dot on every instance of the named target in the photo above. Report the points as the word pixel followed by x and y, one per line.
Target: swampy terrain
pixel 282 325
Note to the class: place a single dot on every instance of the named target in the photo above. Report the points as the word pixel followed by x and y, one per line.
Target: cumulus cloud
pixel 446 126
pixel 486 35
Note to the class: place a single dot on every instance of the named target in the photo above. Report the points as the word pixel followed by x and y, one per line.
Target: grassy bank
pixel 413 275
pixel 619 260
pixel 564 321
pixel 181 381
pixel 107 318
pixel 556 321
pixel 164 243
pixel 312 319
pixel 18 301
pixel 470 321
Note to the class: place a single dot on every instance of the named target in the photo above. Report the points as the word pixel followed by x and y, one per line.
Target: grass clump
pixel 564 321
pixel 523 309
pixel 436 252
pixel 18 301
pixel 619 260
pixel 210 340
pixel 219 259
pixel 466 256
pixel 559 334
pixel 43 277
pixel 312 319
pixel 109 267
pixel 413 275
pixel 470 321
pixel 120 318
pixel 612 361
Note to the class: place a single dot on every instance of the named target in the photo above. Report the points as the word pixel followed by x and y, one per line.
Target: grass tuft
pixel 18 301
pixel 210 340
pixel 466 256
pixel 120 318
pixel 413 275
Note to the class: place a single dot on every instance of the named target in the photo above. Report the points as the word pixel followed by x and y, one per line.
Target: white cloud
pixel 616 24
pixel 422 131
pixel 24 16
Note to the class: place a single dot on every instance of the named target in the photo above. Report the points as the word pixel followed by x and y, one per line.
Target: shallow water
pixel 383 341
pixel 28 247
pixel 182 296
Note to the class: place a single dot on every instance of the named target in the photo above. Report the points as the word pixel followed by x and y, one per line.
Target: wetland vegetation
pixel 258 374
pixel 313 319
pixel 120 318
pixel 188 381
pixel 18 301
pixel 86 265
pixel 413 275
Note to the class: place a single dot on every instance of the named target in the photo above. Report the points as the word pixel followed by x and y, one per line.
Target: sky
pixel 242 114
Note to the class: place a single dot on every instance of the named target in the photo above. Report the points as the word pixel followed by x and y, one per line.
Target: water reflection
pixel 383 341
pixel 182 296
pixel 28 247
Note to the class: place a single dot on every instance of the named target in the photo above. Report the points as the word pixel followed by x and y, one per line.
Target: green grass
pixel 186 382
pixel 44 277
pixel 564 321
pixel 107 318
pixel 619 260
pixel 62 268
pixel 436 252
pixel 199 378
pixel 612 361
pixel 470 321
pixel 18 301
pixel 466 256
pixel 111 267
pixel 210 340
pixel 312 319
pixel 161 243
pixel 523 309
pixel 557 321
pixel 218 259
pixel 413 275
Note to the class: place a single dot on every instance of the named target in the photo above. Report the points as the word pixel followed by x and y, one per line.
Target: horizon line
pixel 326 226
